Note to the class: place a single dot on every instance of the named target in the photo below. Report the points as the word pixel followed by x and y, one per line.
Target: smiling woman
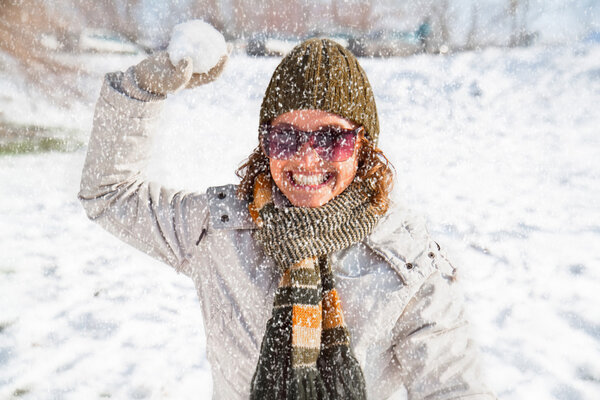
pixel 270 257
pixel 307 177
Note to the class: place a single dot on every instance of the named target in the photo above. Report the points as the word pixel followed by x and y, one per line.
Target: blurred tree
pixel 212 12
pixel 472 41
pixel 115 15
pixel 517 11
pixel 287 18
pixel 31 35
pixel 441 11
pixel 357 14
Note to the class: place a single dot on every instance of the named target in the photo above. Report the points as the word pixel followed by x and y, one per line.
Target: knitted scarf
pixel 305 352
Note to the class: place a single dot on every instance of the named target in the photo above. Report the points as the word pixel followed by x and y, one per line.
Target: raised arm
pixel 437 357
pixel 162 222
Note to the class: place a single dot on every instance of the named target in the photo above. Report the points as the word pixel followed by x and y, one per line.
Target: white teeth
pixel 309 180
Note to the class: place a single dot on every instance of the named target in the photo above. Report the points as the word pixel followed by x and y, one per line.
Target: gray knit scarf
pixel 305 352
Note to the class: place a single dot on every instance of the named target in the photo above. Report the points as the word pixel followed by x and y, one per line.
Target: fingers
pixel 157 74
pixel 160 63
pixel 162 58
pixel 185 68
pixel 211 75
pixel 222 61
pixel 197 80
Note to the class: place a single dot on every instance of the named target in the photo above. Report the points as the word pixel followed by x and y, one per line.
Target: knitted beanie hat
pixel 323 75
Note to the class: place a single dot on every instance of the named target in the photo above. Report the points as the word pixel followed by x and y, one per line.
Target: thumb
pixel 185 67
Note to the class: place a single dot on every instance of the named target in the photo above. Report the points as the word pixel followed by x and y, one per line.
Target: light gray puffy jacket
pixel 397 289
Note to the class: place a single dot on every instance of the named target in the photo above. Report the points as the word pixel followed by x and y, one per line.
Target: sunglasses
pixel 332 143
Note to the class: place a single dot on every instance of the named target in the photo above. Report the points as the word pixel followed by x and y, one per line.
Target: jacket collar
pixel 400 237
pixel 227 211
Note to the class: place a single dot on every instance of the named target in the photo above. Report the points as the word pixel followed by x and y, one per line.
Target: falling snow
pixel 497 148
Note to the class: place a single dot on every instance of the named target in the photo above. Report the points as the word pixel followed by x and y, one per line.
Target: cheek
pixel 346 172
pixel 276 167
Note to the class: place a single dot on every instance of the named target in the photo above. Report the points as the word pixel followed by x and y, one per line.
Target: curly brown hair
pixel 374 168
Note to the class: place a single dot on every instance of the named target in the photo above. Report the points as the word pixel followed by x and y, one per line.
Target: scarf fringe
pixel 338 377
pixel 272 373
pixel 341 374
pixel 274 379
pixel 307 384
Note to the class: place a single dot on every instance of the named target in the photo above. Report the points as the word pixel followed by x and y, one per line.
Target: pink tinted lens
pixel 282 143
pixel 342 147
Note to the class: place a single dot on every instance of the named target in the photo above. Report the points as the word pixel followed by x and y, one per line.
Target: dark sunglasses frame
pixel 337 144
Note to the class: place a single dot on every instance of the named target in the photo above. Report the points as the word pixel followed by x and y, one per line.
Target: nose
pixel 307 155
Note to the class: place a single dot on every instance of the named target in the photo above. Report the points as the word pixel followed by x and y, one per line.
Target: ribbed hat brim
pixel 321 74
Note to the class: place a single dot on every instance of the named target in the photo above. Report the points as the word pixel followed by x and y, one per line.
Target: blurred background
pixel 49 49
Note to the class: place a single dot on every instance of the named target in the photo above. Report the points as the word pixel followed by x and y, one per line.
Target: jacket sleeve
pixel 437 358
pixel 161 222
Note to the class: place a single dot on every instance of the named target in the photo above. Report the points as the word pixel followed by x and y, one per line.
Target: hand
pixel 211 75
pixel 156 74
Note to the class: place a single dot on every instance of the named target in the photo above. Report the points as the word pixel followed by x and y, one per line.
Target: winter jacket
pixel 400 301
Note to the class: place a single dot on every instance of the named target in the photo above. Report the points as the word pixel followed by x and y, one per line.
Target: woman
pixel 310 287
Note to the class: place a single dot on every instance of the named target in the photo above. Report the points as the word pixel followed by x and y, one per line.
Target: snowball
pixel 198 40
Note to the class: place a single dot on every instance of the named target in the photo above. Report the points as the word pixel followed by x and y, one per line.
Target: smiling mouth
pixel 309 181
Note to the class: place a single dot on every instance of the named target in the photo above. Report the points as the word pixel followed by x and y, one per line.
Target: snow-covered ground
pixel 498 149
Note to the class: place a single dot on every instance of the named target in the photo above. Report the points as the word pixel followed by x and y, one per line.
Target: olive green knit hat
pixel 321 74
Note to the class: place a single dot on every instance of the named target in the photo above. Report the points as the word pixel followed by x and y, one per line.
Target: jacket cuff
pixel 132 89
pixel 114 94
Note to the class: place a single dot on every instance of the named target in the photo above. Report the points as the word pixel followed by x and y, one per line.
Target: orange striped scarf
pixel 305 351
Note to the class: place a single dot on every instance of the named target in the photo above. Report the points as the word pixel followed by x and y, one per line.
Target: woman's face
pixel 306 179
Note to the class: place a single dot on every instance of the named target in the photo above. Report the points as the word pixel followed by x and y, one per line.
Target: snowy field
pixel 500 150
